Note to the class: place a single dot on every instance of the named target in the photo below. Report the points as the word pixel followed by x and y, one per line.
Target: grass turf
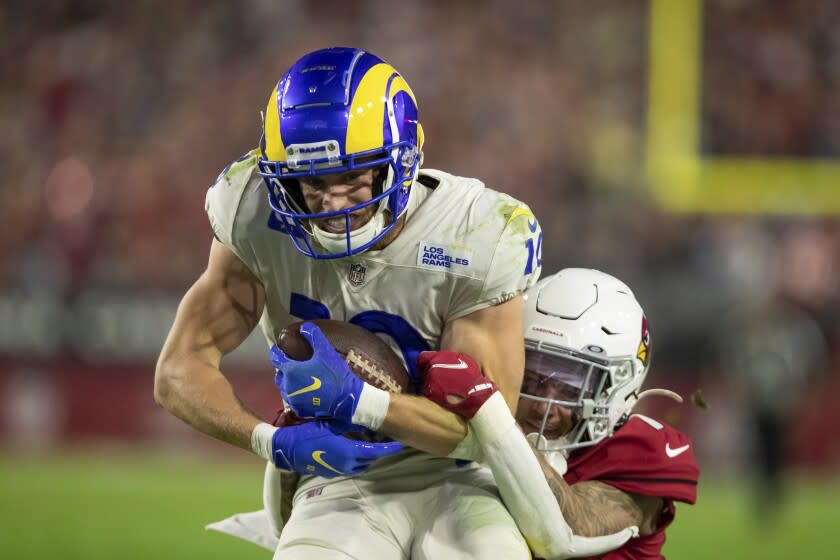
pixel 101 507
pixel 152 507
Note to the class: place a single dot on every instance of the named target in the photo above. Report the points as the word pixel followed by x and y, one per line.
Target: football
pixel 368 356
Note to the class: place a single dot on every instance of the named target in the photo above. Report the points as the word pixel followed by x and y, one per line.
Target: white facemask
pixel 555 457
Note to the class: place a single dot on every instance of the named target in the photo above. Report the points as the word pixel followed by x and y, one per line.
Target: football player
pixel 598 468
pixel 600 471
pixel 333 217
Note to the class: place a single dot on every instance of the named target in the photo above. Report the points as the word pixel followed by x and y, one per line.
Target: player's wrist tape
pixel 492 420
pixel 261 440
pixel 372 407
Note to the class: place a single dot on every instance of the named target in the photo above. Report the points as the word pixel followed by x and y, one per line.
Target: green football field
pixel 146 507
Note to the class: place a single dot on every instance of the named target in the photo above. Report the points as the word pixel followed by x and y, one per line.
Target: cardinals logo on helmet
pixel 643 351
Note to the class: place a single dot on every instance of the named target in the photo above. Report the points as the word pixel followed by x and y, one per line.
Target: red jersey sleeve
pixel 642 457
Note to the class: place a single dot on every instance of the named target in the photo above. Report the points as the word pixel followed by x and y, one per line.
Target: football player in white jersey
pixel 332 217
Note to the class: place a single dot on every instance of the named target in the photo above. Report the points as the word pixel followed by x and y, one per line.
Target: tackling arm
pixel 528 495
pixel 214 317
pixel 493 338
pixel 516 468
pixel 593 508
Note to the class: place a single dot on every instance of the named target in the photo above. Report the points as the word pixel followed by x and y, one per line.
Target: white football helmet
pixel 587 350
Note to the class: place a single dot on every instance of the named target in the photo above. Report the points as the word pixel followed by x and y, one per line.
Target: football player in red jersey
pixel 605 470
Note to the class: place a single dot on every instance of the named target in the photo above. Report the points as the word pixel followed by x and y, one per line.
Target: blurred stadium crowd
pixel 116 117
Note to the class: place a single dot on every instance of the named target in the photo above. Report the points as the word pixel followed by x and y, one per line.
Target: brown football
pixel 368 356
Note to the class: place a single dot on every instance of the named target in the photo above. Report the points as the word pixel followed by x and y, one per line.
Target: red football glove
pixel 454 381
pixel 287 417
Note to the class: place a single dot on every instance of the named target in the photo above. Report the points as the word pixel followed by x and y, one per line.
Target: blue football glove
pixel 320 387
pixel 315 448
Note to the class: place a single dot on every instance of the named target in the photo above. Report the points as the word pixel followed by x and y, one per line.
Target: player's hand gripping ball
pixel 322 366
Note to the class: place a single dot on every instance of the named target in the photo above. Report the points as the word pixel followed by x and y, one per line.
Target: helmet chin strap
pixel 337 242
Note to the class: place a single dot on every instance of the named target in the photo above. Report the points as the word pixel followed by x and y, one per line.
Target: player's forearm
pixel 591 508
pixel 420 423
pixel 559 487
pixel 527 494
pixel 201 396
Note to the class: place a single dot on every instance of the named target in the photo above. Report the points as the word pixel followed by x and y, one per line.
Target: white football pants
pixel 419 518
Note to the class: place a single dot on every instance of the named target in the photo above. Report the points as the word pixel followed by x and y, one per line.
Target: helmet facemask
pixel 286 200
pixel 364 235
pixel 559 379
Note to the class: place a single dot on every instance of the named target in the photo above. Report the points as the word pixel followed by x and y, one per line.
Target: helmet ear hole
pixel 624 372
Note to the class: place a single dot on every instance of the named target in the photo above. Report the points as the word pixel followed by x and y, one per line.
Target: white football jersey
pixel 464 247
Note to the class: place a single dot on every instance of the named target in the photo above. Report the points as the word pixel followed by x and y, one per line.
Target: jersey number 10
pixel 409 341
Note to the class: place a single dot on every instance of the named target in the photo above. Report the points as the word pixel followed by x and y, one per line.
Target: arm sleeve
pixel 526 492
pixel 514 266
pixel 469 449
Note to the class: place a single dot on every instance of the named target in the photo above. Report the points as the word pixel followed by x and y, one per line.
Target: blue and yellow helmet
pixel 333 111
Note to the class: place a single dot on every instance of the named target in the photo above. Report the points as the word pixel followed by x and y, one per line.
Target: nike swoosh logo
pixel 316 456
pixel 674 452
pixel 460 365
pixel 316 384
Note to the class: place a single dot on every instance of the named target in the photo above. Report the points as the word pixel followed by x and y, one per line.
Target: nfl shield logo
pixel 357 274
